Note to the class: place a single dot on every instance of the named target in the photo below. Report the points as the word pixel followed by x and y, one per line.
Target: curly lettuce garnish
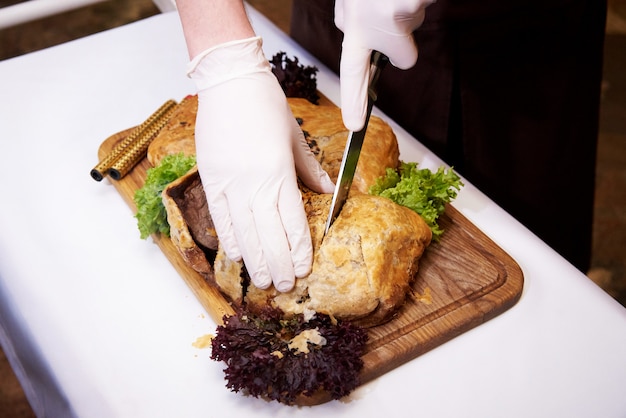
pixel 420 190
pixel 262 362
pixel 151 215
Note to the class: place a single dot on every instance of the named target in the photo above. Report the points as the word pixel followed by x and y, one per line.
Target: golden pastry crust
pixel 362 269
pixel 178 135
pixel 325 126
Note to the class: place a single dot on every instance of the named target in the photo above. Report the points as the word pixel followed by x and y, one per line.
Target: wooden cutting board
pixel 464 280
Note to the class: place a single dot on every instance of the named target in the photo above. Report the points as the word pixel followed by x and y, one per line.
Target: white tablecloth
pixel 97 323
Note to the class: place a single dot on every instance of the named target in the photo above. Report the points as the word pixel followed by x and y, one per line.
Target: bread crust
pixel 178 135
pixel 362 269
pixel 179 231
pixel 324 125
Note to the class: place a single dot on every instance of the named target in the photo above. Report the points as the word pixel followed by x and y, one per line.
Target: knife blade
pixel 353 146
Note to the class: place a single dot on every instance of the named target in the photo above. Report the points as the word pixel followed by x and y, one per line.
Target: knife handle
pixel 377 63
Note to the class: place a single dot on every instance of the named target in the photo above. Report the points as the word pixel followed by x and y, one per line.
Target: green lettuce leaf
pixel 420 190
pixel 151 215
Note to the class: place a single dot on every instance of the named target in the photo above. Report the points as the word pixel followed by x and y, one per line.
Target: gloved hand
pixel 382 25
pixel 249 148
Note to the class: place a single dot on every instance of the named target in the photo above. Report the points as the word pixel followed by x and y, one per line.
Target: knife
pixel 353 146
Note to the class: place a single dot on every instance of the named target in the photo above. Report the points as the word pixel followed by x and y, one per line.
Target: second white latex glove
pixel 249 148
pixel 381 25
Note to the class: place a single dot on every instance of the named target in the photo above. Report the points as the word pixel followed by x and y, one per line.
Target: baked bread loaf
pixel 178 134
pixel 327 137
pixel 325 132
pixel 362 268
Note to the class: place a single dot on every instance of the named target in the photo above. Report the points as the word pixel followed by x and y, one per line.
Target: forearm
pixel 207 23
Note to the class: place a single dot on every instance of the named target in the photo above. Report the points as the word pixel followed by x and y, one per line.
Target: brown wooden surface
pixel 463 281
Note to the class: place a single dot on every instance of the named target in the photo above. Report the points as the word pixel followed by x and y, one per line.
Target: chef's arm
pixel 207 23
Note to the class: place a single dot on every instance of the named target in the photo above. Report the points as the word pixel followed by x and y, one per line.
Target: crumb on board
pixel 203 341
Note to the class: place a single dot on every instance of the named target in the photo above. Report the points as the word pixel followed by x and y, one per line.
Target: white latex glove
pixel 382 25
pixel 249 147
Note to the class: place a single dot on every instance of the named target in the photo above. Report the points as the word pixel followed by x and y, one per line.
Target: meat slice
pixel 191 225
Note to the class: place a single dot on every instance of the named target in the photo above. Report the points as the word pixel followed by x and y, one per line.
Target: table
pixel 97 323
